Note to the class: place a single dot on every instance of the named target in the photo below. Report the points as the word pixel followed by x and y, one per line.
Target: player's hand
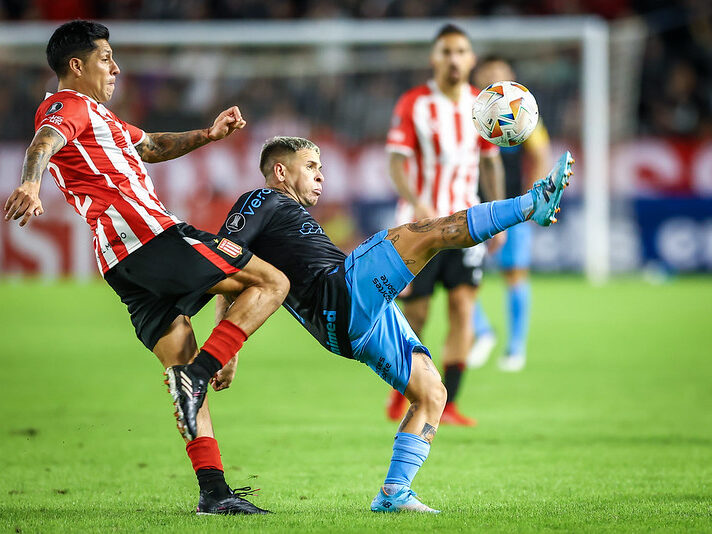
pixel 497 242
pixel 224 377
pixel 423 211
pixel 226 123
pixel 24 202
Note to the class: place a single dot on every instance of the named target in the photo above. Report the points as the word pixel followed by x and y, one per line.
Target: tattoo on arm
pixel 47 143
pixel 428 432
pixel 164 146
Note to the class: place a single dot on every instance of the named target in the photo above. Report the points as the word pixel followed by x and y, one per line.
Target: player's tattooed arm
pixel 158 147
pixel 25 200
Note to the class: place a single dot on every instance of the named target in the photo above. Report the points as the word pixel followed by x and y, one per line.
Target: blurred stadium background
pixel 608 429
pixel 333 70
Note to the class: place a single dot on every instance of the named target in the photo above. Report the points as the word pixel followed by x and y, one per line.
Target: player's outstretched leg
pixel 255 293
pixel 418 242
pixel 427 395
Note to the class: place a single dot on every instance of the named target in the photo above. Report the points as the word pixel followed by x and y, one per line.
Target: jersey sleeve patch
pixel 66 113
pixel 228 247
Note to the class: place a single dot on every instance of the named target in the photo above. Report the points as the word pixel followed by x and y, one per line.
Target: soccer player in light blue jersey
pixel 347 302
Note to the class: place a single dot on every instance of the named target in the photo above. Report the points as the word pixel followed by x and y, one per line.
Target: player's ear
pixel 75 66
pixel 280 171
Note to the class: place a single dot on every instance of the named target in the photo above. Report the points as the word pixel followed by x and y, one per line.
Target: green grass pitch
pixel 608 429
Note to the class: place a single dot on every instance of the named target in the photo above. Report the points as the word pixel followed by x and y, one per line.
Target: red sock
pixel 204 453
pixel 224 342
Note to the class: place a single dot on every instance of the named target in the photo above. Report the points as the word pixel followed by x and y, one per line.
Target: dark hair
pixel 73 39
pixel 449 29
pixel 493 58
pixel 280 146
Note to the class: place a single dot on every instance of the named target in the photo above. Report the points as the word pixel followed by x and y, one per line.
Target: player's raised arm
pixel 25 200
pixel 163 146
pixel 399 177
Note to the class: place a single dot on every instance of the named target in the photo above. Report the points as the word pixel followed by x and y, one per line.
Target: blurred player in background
pixel 522 164
pixel 437 160
pixel 346 302
pixel 163 269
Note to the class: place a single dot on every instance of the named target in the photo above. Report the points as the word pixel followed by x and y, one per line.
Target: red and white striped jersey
pixel 444 148
pixel 102 176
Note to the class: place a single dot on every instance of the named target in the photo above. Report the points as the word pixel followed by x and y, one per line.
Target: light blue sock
pixel 490 218
pixel 480 322
pixel 409 453
pixel 519 298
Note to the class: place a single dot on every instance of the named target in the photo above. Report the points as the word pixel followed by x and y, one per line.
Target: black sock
pixel 453 375
pixel 212 481
pixel 205 365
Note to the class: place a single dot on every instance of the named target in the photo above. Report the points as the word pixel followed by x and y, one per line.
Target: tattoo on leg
pixel 428 432
pixel 428 364
pixel 407 418
pixel 423 226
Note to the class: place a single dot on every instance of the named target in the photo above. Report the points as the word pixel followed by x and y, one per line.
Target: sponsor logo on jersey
pixel 254 201
pixel 54 108
pixel 230 248
pixel 384 287
pixel 235 222
pixel 310 228
pixel 331 338
pixel 55 120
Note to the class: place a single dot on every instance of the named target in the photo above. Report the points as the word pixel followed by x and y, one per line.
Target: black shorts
pixel 169 276
pixel 451 268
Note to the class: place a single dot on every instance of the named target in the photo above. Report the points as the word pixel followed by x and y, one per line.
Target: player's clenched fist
pixel 227 122
pixel 24 202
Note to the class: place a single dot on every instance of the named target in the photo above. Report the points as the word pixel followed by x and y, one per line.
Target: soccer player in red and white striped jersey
pixel 163 269
pixel 436 158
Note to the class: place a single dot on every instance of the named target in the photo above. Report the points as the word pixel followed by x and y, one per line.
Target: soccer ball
pixel 505 113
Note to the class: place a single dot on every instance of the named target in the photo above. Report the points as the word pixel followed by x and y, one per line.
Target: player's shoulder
pixel 411 95
pixel 258 200
pixel 55 102
pixel 61 103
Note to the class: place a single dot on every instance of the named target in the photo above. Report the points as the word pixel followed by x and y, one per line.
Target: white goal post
pixel 590 33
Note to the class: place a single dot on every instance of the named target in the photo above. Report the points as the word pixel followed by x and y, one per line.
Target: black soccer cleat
pixel 188 391
pixel 233 504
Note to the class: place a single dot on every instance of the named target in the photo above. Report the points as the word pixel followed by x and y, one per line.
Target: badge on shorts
pixel 230 248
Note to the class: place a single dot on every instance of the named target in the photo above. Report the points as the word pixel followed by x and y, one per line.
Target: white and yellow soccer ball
pixel 505 113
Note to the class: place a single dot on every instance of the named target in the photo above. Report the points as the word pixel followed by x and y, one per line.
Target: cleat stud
pixel 554 220
pixel 557 210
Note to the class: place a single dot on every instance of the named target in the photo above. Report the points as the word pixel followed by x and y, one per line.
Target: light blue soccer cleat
pixel 547 191
pixel 404 500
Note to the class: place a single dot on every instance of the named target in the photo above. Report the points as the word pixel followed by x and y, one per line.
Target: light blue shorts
pixel 379 333
pixel 517 250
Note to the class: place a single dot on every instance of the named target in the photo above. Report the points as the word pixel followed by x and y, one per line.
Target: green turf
pixel 608 429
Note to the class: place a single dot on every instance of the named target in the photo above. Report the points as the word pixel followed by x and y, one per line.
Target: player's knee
pixel 275 282
pixel 435 397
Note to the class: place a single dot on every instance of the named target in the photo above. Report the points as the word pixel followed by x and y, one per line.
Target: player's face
pixel 493 71
pixel 452 59
pixel 99 71
pixel 303 176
